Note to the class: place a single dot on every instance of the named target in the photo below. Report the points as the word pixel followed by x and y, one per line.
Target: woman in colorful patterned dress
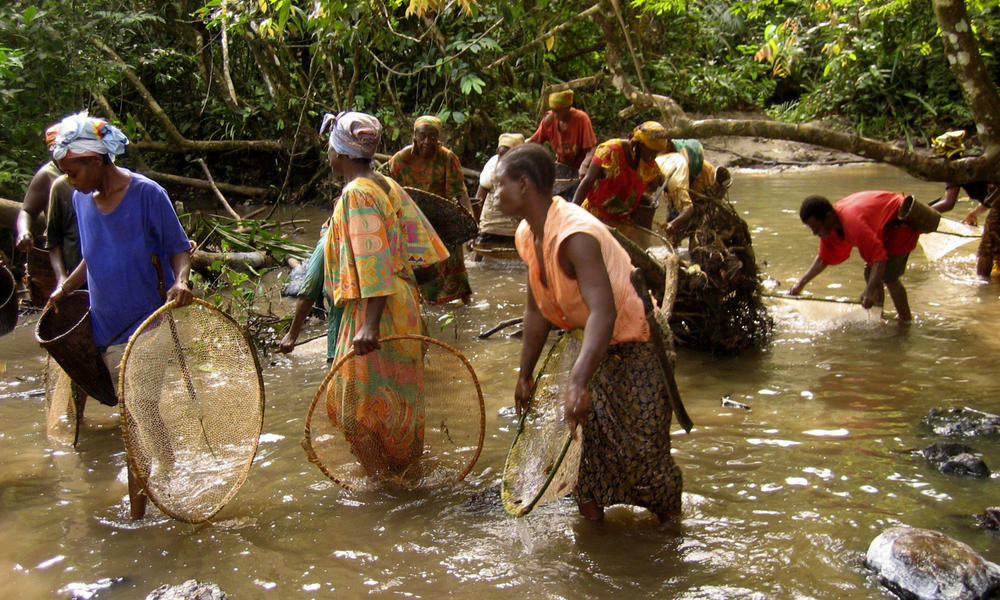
pixel 427 165
pixel 375 234
pixel 621 172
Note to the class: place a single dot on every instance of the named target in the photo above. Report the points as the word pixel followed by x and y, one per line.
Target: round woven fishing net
pixel 192 408
pixel 451 221
pixel 409 415
pixel 544 460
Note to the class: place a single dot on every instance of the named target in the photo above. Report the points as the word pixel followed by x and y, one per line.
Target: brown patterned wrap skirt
pixel 626 437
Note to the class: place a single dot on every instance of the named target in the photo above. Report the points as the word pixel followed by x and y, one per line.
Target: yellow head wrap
pixel 652 135
pixel 563 99
pixel 426 120
pixel 509 140
pixel 50 135
pixel 949 144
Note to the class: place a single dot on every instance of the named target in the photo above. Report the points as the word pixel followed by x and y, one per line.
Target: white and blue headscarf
pixel 83 134
pixel 353 134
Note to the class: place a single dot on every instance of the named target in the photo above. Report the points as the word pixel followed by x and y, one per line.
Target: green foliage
pixel 249 235
pixel 875 66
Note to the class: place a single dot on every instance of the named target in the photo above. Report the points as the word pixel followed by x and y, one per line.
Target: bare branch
pixel 218 194
pixel 538 40
pixel 628 42
pixel 226 76
pixel 177 140
pixel 204 185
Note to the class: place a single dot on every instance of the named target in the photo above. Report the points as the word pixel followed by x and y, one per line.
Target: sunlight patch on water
pixel 827 432
pixel 779 443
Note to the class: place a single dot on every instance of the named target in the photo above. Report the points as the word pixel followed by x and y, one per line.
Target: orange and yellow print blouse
pixel 376 238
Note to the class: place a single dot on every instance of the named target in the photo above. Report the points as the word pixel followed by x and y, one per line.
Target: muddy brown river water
pixel 780 501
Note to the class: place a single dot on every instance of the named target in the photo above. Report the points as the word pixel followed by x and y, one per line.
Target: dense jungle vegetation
pixel 243 84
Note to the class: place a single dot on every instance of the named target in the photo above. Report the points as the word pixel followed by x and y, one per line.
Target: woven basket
pixel 8 301
pixel 41 277
pixel 69 339
pixel 918 216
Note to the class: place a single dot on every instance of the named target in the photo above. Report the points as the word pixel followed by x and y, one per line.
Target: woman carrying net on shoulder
pixel 374 235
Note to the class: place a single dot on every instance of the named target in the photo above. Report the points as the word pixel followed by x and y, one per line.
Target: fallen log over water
pixel 238 261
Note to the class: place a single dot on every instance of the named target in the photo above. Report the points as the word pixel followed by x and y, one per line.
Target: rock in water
pixel 928 565
pixel 189 590
pixel 989 518
pixel 953 458
pixel 964 421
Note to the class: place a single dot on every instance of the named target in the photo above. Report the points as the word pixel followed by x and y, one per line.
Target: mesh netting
pixel 953 235
pixel 63 412
pixel 821 313
pixel 408 415
pixel 192 408
pixel 543 461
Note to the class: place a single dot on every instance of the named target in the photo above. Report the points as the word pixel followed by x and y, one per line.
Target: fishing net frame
pixel 132 450
pixel 570 446
pixel 321 393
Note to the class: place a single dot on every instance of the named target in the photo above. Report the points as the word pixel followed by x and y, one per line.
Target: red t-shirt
pixel 567 144
pixel 869 222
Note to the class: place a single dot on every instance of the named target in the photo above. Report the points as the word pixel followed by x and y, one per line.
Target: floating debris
pixel 728 401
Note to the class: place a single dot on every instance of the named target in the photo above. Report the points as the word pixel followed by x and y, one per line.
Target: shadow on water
pixel 781 498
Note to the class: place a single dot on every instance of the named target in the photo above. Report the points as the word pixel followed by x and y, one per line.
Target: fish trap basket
pixel 544 460
pixel 451 221
pixel 8 301
pixel 409 415
pixel 192 408
pixel 69 339
pixel 41 276
pixel 918 216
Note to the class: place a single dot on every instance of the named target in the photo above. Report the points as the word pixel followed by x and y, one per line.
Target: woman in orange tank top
pixel 578 277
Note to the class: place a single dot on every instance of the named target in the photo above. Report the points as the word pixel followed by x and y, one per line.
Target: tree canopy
pixel 243 84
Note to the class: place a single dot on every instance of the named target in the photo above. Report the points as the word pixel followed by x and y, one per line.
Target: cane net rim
pixel 568 441
pixel 130 451
pixel 307 439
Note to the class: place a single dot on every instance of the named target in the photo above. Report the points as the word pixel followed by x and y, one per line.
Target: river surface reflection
pixel 780 500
